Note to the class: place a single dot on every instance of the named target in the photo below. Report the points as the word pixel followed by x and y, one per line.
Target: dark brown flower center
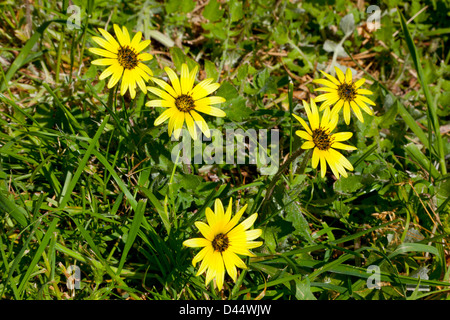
pixel 220 242
pixel 184 103
pixel 127 57
pixel 347 92
pixel 322 139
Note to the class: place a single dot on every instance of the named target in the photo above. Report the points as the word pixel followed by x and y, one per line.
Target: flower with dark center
pixel 319 138
pixel 223 241
pixel 124 59
pixel 182 101
pixel 344 93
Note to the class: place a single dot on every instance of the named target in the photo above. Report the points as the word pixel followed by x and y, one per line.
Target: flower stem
pixel 280 171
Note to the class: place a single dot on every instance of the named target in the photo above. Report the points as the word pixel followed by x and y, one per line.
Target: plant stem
pixel 280 171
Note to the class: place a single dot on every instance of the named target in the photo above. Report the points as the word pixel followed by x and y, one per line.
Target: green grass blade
pixel 158 206
pixel 134 228
pixel 11 208
pixel 116 178
pixel 72 182
pixel 38 254
pixel 70 118
pixel 415 128
pixel 414 151
pixel 431 109
pixel 414 247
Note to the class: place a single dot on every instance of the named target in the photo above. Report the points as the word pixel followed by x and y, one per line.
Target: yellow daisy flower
pixel 223 241
pixel 183 101
pixel 324 143
pixel 124 59
pixel 343 92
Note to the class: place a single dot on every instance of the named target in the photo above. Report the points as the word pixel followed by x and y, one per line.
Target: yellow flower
pixel 223 241
pixel 324 143
pixel 183 101
pixel 124 60
pixel 343 92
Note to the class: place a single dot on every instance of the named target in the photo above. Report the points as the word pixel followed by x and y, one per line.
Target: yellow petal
pixel 184 79
pixel 342 146
pixel 172 121
pixel 205 90
pixel 144 75
pixel 201 255
pixel 230 265
pixel 216 112
pixel 341 136
pixel 328 84
pixel 247 223
pixel 365 99
pixel 145 68
pixel 210 100
pixel 142 45
pixel 315 158
pixel 160 103
pixel 196 242
pixel 205 230
pixel 201 123
pixel 103 53
pixel 359 83
pixel 331 78
pixel 117 74
pixel 198 91
pixel 348 76
pixel 314 119
pixel 205 255
pixel 337 107
pixel 363 91
pixel 347 112
pixel 108 71
pixel 164 116
pixel 357 111
pixel 174 80
pixel 363 106
pixel 334 118
pixel 340 74
pixel 303 134
pixel 192 76
pixel 232 223
pixel 126 36
pixel 323 166
pixel 136 39
pixel 104 62
pixel 125 82
pixel 160 93
pixel 253 234
pixel 165 86
pixel 120 36
pixel 109 38
pixel 178 124
pixel 331 99
pixel 136 76
pixel 303 123
pixel 218 210
pixel 106 45
pixel 144 56
pixel 191 126
pixel 308 145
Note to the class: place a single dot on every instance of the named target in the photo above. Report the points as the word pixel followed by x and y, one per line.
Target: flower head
pixel 319 137
pixel 183 101
pixel 224 239
pixel 343 92
pixel 124 59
